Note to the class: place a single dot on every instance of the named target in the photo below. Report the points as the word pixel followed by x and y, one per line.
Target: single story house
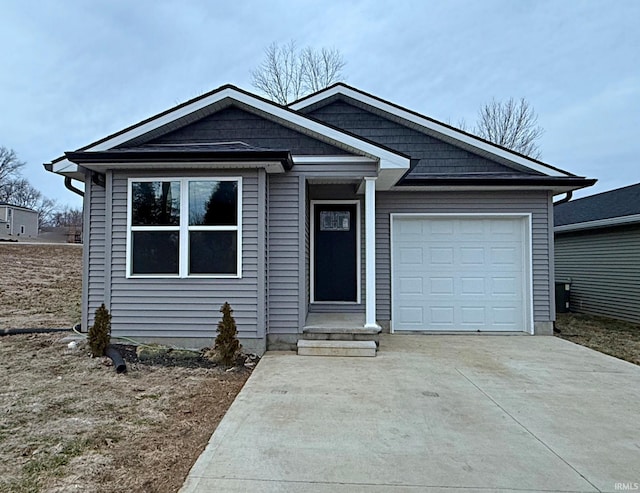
pixel 340 203
pixel 598 250
pixel 16 221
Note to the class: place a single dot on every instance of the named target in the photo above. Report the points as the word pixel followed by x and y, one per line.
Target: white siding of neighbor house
pixel 13 219
pixel 536 203
pixel 186 308
pixel 604 268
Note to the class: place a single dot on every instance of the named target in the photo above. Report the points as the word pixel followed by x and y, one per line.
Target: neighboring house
pixel 598 249
pixel 16 221
pixel 340 203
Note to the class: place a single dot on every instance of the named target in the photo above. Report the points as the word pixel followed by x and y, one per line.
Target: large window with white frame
pixel 184 227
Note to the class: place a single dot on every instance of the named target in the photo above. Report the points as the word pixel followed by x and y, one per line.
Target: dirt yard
pixel 40 285
pixel 609 336
pixel 68 422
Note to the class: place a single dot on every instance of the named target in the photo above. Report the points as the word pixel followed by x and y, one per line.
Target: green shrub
pixel 227 343
pixel 100 331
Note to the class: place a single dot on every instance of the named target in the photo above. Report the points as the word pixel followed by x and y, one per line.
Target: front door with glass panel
pixel 335 253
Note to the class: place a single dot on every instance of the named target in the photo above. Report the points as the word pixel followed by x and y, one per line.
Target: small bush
pixel 100 331
pixel 227 343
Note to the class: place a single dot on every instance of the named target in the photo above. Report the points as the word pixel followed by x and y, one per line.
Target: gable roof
pixel 427 125
pixel 392 164
pixel 396 168
pixel 615 207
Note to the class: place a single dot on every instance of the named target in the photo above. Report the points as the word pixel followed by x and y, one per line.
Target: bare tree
pixel 10 166
pixel 321 68
pixel 67 217
pixel 287 73
pixel 17 190
pixel 511 124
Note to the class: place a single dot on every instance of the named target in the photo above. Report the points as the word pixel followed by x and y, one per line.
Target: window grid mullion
pixel 184 228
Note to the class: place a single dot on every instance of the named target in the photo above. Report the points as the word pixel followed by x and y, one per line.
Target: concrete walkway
pixel 435 414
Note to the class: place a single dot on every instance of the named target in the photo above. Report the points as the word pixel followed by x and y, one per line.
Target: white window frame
pixel 184 228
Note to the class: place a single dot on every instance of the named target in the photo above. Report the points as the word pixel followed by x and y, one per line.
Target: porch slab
pixel 336 348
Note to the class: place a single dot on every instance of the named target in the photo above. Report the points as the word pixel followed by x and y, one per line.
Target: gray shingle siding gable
pixel 233 124
pixel 433 155
pixel 604 268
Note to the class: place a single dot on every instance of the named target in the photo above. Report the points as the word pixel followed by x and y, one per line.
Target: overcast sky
pixel 73 71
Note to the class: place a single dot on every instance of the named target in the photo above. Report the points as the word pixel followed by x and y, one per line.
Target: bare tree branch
pixel 17 190
pixel 10 166
pixel 287 74
pixel 511 124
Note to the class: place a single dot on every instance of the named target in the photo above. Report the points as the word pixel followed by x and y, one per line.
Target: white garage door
pixel 459 274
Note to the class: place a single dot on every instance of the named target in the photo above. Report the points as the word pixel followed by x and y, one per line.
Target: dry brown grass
pixel 68 422
pixel 614 337
pixel 40 285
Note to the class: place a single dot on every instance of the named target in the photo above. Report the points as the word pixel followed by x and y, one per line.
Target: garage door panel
pixel 411 285
pixel 443 316
pixel 504 286
pixel 473 286
pixel 472 256
pixel 439 256
pixel 441 286
pixel 467 276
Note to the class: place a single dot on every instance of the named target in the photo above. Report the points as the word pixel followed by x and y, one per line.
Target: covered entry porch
pixel 340 246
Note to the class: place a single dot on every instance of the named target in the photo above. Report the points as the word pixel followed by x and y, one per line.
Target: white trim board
pixel 312 249
pixel 527 231
pixel 427 124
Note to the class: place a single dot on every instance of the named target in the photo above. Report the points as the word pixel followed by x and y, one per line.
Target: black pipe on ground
pixel 116 357
pixel 12 332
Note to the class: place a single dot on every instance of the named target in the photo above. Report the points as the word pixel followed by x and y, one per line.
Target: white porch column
pixel 370 251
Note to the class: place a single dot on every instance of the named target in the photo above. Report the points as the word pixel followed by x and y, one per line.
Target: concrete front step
pixel 336 348
pixel 341 336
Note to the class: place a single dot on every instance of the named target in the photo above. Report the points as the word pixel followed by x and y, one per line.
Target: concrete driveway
pixel 432 413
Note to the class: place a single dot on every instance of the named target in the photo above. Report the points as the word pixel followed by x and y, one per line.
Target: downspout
pixel 69 186
pixel 567 198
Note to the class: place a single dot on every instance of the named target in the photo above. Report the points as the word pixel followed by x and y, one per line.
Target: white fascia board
pixel 333 160
pixel 600 223
pixel 386 158
pixel 428 124
pixel 269 166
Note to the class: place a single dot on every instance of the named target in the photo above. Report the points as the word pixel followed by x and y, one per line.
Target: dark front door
pixel 335 252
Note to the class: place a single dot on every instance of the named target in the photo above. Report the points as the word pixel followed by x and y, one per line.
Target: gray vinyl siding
pixel 604 268
pixel 535 203
pixel 185 308
pixel 233 124
pixel 94 251
pixel 433 155
pixel 285 277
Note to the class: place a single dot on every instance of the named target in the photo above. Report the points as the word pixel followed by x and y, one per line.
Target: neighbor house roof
pixel 7 204
pixel 615 207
